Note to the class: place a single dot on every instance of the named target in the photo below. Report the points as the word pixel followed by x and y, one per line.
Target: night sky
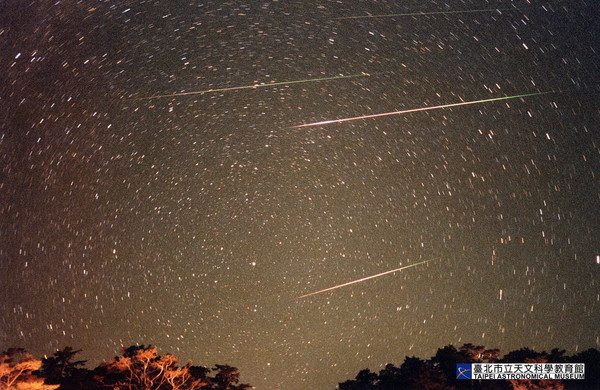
pixel 194 222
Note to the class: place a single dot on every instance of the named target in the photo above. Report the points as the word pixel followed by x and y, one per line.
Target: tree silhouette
pixel 439 372
pixel 141 368
pixel 446 359
pixel 520 355
pixel 138 367
pixel 557 356
pixel 17 371
pixel 478 353
pixel 390 378
pixel 591 359
pixel 227 378
pixel 365 380
pixel 60 366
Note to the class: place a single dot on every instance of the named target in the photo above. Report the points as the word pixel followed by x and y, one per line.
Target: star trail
pixel 171 174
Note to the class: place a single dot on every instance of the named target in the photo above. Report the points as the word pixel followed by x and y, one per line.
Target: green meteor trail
pixel 252 86
pixel 427 13
pixel 419 109
pixel 363 279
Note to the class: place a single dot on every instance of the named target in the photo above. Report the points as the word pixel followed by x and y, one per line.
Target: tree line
pixel 439 372
pixel 138 367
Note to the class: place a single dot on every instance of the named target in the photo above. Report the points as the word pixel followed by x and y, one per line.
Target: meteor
pixel 418 109
pixel 362 280
pixel 426 13
pixel 251 86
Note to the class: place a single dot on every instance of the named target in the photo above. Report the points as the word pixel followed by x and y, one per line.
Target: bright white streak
pixel 417 110
pixel 363 279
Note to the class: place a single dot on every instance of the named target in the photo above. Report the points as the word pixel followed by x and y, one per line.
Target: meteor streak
pixel 426 13
pixel 418 109
pixel 251 86
pixel 363 279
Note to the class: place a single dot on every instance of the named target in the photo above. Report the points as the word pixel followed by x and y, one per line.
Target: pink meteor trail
pixel 417 110
pixel 362 280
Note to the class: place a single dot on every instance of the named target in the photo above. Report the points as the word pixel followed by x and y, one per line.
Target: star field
pixel 194 222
